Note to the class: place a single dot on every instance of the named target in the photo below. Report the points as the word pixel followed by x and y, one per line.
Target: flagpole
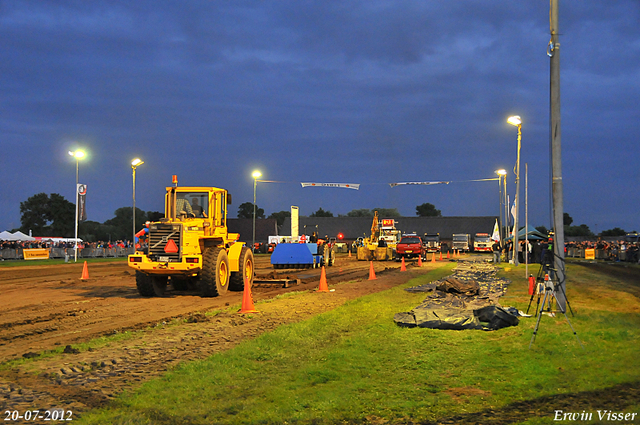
pixel 75 249
pixel 526 219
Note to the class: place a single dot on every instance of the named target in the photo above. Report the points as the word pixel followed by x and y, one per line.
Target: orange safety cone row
pixel 403 268
pixel 323 281
pixel 247 299
pixel 85 271
pixel 372 273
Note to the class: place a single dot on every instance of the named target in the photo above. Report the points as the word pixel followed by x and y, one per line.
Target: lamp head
pixel 501 172
pixel 256 174
pixel 77 154
pixel 136 162
pixel 514 120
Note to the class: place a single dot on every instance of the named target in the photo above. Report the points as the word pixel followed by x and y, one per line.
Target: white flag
pixel 496 232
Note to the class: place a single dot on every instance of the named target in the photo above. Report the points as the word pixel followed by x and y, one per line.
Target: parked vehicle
pixel 432 242
pixel 410 246
pixel 482 242
pixel 462 242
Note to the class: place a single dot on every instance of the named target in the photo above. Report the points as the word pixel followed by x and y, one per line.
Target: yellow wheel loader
pixel 381 244
pixel 191 246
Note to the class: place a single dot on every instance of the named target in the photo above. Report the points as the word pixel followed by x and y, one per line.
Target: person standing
pixel 496 252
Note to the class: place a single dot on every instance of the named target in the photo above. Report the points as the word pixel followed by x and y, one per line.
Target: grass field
pixel 354 365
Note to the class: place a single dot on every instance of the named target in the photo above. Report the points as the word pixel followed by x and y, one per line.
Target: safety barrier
pixel 18 254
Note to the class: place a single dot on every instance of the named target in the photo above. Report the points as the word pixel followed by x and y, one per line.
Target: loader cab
pixel 188 203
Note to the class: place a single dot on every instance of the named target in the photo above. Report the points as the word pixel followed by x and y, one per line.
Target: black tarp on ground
pixel 466 300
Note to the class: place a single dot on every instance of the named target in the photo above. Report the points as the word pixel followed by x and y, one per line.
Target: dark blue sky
pixel 369 92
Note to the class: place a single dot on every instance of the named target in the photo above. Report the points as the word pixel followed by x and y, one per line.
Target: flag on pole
pixel 496 232
pixel 513 214
pixel 82 202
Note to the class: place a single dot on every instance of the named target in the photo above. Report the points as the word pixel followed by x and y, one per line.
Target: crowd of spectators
pixel 540 251
pixel 62 244
pixel 613 250
pixel 13 249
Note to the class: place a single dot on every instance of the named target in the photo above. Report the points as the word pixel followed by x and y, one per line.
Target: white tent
pixel 17 236
pixel 7 236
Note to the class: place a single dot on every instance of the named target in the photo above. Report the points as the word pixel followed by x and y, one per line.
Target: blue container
pixel 295 255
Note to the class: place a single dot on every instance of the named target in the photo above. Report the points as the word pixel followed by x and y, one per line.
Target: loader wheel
pixel 144 284
pixel 214 279
pixel 245 273
pixel 159 285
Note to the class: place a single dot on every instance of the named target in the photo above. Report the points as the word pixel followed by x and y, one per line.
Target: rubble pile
pixel 466 300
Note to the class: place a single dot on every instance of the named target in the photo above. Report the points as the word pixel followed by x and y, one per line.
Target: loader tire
pixel 215 276
pixel 245 272
pixel 144 284
pixel 159 285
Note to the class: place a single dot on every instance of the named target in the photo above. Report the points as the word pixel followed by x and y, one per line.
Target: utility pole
pixel 556 157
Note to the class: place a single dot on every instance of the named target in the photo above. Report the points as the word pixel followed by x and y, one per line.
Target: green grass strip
pixel 355 365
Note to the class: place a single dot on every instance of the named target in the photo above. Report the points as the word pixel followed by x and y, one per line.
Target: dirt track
pixel 48 307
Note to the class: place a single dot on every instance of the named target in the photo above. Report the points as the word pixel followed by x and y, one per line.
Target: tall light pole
pixel 78 155
pixel 256 174
pixel 515 120
pixel 501 173
pixel 134 165
pixel 556 155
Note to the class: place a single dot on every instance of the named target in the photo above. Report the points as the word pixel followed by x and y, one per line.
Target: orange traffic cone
pixel 349 253
pixel 447 254
pixel 433 258
pixel 440 255
pixel 85 271
pixel 403 268
pixel 420 261
pixel 323 282
pixel 247 300
pixel 372 273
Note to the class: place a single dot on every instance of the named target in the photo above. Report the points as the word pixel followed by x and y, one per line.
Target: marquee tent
pixel 17 236
pixel 532 234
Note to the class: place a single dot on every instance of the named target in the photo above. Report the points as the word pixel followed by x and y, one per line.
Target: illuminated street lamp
pixel 256 174
pixel 502 173
pixel 134 165
pixel 78 155
pixel 515 120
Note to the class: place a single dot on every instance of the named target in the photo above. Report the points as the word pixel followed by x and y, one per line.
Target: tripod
pixel 549 293
pixel 543 274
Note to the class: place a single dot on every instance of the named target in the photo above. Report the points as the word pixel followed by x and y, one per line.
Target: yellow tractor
pixel 382 242
pixel 191 245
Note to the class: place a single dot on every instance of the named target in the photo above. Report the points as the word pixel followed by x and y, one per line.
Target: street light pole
pixel 77 155
pixel 256 174
pixel 515 120
pixel 501 173
pixel 134 165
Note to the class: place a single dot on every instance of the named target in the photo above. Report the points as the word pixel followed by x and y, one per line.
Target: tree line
pixel 52 215
pixel 425 210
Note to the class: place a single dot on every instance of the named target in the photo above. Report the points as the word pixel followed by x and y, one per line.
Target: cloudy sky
pixel 369 92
